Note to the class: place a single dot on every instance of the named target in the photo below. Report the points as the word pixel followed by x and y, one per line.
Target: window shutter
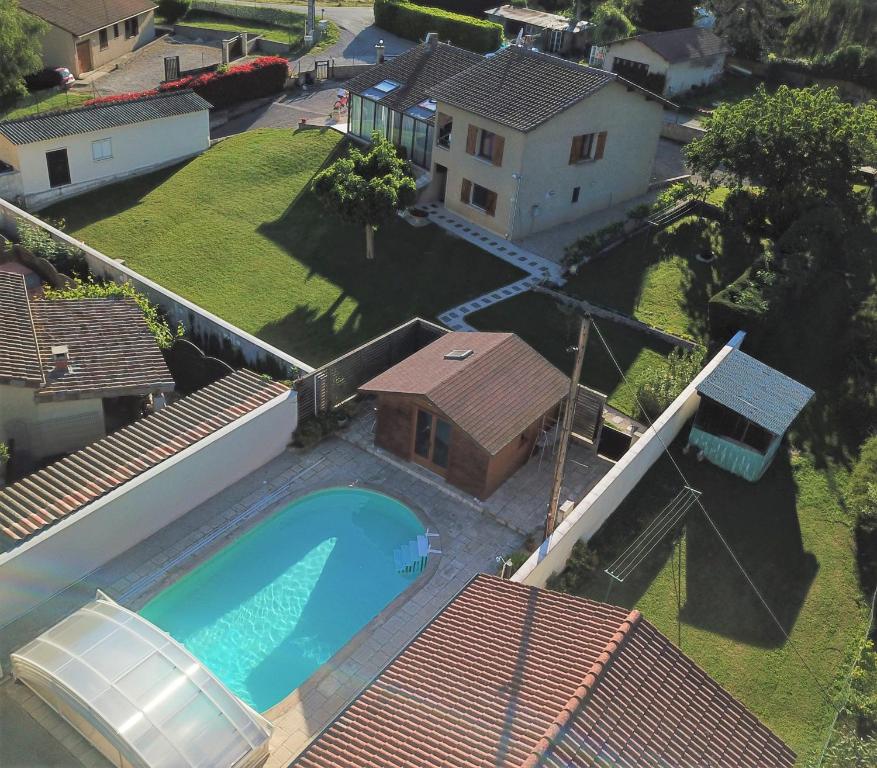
pixel 471 140
pixel 575 151
pixel 466 191
pixel 498 147
pixel 491 204
pixel 601 144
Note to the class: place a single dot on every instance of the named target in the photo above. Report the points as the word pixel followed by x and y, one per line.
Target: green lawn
pixel 538 320
pixel 292 34
pixel 43 101
pixel 659 280
pixel 238 232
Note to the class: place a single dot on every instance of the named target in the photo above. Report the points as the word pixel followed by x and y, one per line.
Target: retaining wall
pixel 597 507
pixel 199 323
pixel 684 134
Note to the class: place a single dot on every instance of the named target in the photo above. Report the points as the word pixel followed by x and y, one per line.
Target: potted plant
pixel 4 460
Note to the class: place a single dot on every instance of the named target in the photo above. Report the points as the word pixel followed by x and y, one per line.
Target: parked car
pixel 51 77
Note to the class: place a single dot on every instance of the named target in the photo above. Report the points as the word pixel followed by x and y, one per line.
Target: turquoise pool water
pixel 270 608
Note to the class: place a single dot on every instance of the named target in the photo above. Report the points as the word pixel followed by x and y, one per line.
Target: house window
pixel 102 149
pixel 587 147
pixel 115 30
pixel 575 194
pixel 478 197
pixel 485 144
pixel 59 168
pixel 132 27
pixel 445 126
pixel 103 39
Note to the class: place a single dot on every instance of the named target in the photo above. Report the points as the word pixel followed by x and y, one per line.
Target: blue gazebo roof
pixel 756 391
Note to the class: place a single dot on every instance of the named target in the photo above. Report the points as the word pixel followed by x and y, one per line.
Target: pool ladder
pixel 413 556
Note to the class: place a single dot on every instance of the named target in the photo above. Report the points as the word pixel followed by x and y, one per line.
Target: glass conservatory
pixel 138 696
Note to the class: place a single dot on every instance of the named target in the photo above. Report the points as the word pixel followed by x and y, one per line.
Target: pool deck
pixel 473 534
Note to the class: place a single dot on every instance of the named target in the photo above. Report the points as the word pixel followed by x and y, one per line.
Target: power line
pixel 715 528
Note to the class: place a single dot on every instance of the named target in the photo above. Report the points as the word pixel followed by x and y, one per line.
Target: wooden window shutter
pixel 471 140
pixel 498 147
pixel 601 145
pixel 491 204
pixel 575 151
pixel 466 191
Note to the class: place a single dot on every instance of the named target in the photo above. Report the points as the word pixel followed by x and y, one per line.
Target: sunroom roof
pixel 141 690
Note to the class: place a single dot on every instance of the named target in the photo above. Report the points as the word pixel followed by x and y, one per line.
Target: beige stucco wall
pixel 59 49
pixel 681 77
pixel 74 547
pixel 48 428
pixel 135 148
pixel 10 181
pixel 541 158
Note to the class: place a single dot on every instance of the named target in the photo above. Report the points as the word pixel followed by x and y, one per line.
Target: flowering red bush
pixel 252 80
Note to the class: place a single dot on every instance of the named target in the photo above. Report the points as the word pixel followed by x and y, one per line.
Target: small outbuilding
pixel 552 33
pixel 470 407
pixel 745 409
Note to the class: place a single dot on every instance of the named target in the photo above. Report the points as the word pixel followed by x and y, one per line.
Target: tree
pixel 367 190
pixel 172 10
pixel 20 49
pixel 610 24
pixel 661 15
pixel 801 146
pixel 751 27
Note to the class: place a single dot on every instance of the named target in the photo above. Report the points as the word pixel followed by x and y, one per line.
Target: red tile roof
pixel 510 676
pixel 493 395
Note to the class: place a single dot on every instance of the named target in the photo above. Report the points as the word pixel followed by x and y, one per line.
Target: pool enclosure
pixel 138 696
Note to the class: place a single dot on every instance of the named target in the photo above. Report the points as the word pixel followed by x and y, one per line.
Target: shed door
pixel 83 56
pixel 432 441
pixel 59 168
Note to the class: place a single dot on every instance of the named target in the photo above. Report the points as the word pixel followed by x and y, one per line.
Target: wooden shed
pixel 469 407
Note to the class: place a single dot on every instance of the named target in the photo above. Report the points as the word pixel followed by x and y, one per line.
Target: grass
pixel 292 34
pixel 659 279
pixel 43 101
pixel 538 320
pixel 238 232
pixel 332 36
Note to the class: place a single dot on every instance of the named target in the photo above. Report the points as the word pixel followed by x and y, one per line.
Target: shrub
pixel 639 212
pixel 854 63
pixel 65 259
pixel 466 7
pixel 4 455
pixel 91 289
pixel 610 24
pixel 413 22
pixel 673 194
pixel 583 561
pixel 171 10
pixel 590 245
pixel 661 386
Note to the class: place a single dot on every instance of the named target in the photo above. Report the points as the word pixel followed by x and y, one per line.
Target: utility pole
pixel 566 427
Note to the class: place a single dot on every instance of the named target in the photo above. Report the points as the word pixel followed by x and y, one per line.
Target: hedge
pixel 276 16
pixel 466 7
pixel 854 63
pixel 261 77
pixel 726 316
pixel 413 22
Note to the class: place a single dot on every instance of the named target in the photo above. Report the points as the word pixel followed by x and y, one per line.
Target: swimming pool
pixel 265 612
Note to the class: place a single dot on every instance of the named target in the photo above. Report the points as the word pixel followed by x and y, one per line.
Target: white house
pixel 670 62
pixel 59 154
pixel 86 34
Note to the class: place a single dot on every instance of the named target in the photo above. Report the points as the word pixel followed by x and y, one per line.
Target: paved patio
pixel 473 534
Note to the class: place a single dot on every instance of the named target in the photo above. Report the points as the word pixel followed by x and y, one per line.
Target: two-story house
pixel 526 141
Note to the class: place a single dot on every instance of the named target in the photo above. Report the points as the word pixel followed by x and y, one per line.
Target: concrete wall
pixel 11 187
pixel 541 158
pixel 597 507
pixel 197 321
pixel 43 429
pixel 136 148
pixel 64 553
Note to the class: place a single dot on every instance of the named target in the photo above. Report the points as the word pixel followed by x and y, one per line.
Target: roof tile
pixel 82 16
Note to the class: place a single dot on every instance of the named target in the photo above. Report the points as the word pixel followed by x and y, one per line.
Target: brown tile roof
pixel 523 89
pixel 493 395
pixel 66 486
pixel 111 349
pixel 82 16
pixel 19 359
pixel 678 45
pixel 511 676
pixel 416 70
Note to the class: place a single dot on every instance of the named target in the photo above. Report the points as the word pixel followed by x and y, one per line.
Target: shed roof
pixel 678 45
pixel 111 350
pixel 79 17
pixel 100 117
pixel 513 676
pixel 756 391
pixel 523 89
pixel 142 691
pixel 72 483
pixel 493 395
pixel 530 16
pixel 416 71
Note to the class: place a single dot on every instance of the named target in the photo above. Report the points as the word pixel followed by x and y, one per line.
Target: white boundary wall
pixel 597 507
pixel 195 319
pixel 61 555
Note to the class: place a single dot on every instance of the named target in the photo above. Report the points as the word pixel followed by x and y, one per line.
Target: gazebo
pixel 745 409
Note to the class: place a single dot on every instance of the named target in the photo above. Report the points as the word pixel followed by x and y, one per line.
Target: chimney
pixel 432 40
pixel 379 52
pixel 60 357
